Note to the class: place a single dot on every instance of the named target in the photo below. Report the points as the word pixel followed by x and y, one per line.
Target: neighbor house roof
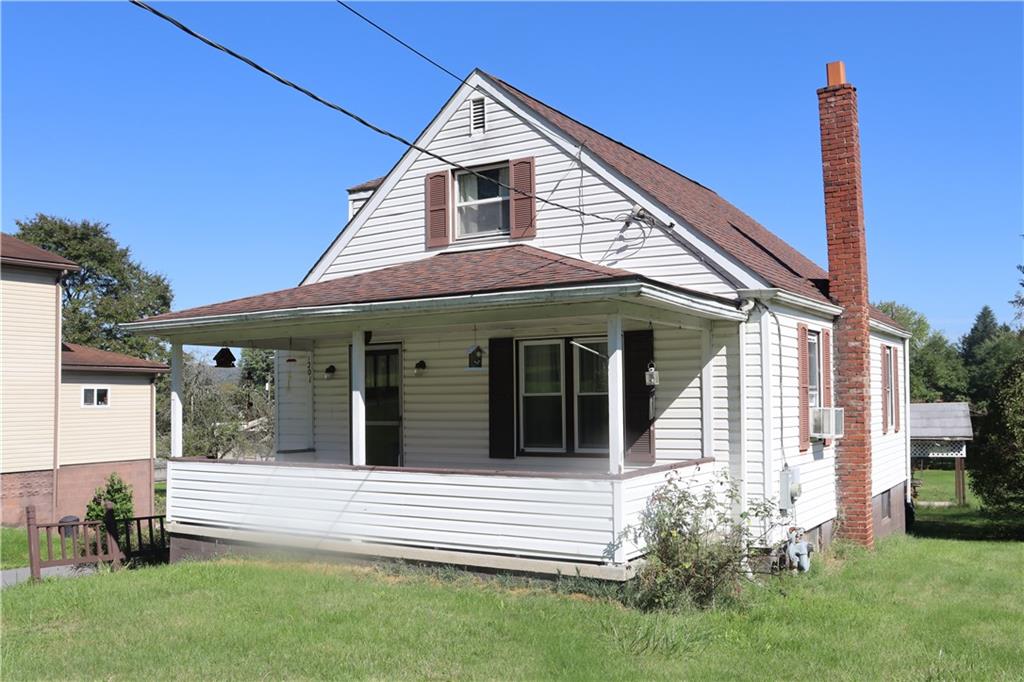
pixel 501 268
pixel 86 359
pixel 944 421
pixel 14 251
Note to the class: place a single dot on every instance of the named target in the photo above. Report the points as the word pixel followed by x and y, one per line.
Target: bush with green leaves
pixel 118 493
pixel 698 546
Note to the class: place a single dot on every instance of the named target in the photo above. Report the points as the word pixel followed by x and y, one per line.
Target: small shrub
pixel 698 548
pixel 118 493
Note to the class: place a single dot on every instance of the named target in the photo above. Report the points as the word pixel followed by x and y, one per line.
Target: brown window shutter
pixel 436 200
pixel 523 207
pixel 896 389
pixel 826 372
pixel 638 352
pixel 804 381
pixel 502 397
pixel 885 389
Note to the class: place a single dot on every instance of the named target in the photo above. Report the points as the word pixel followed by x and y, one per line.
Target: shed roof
pixel 77 358
pixel 940 421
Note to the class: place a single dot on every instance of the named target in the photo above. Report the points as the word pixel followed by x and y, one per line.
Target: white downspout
pixel 767 405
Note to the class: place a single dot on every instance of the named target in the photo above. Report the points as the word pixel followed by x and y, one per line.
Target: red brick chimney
pixel 848 287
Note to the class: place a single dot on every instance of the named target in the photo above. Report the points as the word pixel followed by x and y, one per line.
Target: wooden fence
pixel 80 543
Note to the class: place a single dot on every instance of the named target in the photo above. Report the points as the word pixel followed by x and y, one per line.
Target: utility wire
pixel 398 40
pixel 357 118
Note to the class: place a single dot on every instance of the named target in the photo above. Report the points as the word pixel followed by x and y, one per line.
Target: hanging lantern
pixel 651 375
pixel 224 358
pixel 475 357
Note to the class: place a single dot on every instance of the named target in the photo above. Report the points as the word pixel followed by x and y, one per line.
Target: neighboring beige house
pixel 71 415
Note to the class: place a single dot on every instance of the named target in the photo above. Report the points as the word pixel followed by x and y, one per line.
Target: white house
pixel 466 374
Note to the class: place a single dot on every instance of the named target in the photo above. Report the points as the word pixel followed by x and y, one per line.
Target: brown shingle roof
pixel 732 230
pixel 369 184
pixel 503 268
pixel 14 251
pixel 86 359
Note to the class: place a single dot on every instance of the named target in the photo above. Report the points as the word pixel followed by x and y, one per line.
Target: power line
pixel 401 42
pixel 357 118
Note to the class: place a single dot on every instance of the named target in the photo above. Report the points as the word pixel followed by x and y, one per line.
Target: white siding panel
pixel 28 368
pixel 888 450
pixel 552 518
pixel 394 233
pixel 293 384
pixel 677 431
pixel 330 402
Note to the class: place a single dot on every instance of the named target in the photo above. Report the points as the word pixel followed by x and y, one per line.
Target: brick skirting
pixel 75 487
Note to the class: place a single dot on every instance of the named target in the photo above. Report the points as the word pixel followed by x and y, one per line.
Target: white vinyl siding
pixel 538 517
pixel 888 450
pixel 294 399
pixel 29 305
pixel 121 430
pixel 394 233
pixel 817 502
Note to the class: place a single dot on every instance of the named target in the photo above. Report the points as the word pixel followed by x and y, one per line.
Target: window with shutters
pixel 482 201
pixel 542 395
pixel 814 369
pixel 478 116
pixel 591 395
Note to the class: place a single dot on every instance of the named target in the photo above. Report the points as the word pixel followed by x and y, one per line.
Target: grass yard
pixel 13 548
pixel 966 523
pixel 916 609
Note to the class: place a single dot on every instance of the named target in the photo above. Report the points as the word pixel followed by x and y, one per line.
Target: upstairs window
pixel 813 369
pixel 481 201
pixel 94 396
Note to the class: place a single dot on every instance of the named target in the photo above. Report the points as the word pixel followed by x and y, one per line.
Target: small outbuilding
pixel 941 431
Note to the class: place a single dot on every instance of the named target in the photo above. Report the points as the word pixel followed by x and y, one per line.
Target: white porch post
pixel 357 373
pixel 176 369
pixel 616 397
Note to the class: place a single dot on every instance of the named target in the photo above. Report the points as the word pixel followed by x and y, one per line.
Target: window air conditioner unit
pixel 827 422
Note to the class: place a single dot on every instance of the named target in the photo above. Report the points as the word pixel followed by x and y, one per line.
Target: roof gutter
pixel 879 326
pixel 693 304
pixel 791 299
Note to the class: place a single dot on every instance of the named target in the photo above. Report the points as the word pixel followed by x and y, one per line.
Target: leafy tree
pixel 210 421
pixel 111 287
pixel 997 457
pixel 256 367
pixel 985 327
pixel 937 372
pixel 991 359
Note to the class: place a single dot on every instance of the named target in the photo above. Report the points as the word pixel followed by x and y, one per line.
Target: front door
pixel 383 406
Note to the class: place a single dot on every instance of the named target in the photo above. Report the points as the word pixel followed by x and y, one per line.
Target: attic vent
pixel 478 116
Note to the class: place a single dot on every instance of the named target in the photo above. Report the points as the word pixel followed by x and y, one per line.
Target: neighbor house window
pixel 481 201
pixel 541 396
pixel 94 396
pixel 591 411
pixel 813 369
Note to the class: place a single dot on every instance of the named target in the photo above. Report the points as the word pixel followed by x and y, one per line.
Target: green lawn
pixel 916 609
pixel 966 523
pixel 13 548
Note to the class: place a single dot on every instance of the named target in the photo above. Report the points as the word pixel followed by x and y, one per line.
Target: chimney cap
pixel 836 72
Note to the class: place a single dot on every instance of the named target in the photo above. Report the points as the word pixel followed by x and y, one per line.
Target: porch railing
pixel 84 543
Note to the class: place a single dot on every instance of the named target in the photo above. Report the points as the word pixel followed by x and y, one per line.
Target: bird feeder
pixel 224 358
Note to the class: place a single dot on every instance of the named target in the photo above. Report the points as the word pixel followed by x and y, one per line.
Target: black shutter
pixel 502 397
pixel 638 352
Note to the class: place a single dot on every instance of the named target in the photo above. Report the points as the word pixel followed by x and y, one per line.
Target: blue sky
pixel 231 184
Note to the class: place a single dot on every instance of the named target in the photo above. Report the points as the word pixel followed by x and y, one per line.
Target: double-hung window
pixel 591 395
pixel 481 201
pixel 94 396
pixel 542 396
pixel 813 369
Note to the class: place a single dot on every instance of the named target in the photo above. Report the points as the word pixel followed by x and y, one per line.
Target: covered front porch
pixel 520 423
